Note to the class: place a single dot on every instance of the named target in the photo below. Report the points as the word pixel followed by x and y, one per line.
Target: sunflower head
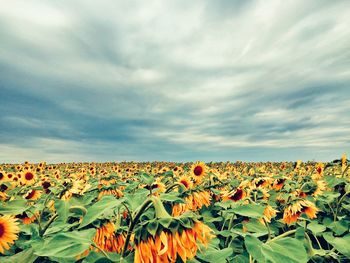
pixel 235 195
pixel 186 182
pixel 8 232
pixel 198 171
pixel 294 210
pixel 28 177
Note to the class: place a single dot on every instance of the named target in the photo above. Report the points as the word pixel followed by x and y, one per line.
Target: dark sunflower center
pixel 198 170
pixel 46 184
pixel 2 230
pixel 319 170
pixel 237 196
pixel 31 194
pixel 29 176
pixel 1 176
pixel 185 183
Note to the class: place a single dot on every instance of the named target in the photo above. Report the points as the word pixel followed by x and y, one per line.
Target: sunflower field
pixel 175 212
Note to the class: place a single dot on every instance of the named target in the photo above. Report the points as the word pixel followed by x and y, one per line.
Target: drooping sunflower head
pixel 235 195
pixel 198 171
pixel 164 245
pixel 294 210
pixel 8 232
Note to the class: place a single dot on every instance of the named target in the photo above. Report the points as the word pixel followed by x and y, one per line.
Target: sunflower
pixel 186 182
pixel 319 171
pixel 33 195
pixel 193 202
pixel 343 162
pixel 269 213
pixel 26 220
pixel 295 210
pixel 198 171
pixel 116 192
pixel 278 184
pixel 106 238
pixel 235 195
pixel 321 186
pixel 2 177
pixel 29 178
pixel 8 232
pixel 167 246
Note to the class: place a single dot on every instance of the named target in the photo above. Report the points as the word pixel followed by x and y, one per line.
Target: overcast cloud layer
pixel 174 80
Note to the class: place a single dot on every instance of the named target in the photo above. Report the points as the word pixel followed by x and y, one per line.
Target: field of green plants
pixel 175 212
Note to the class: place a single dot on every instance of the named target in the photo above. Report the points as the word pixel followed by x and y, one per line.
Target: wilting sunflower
pixel 167 246
pixel 8 232
pixel 116 192
pixel 235 195
pixel 295 210
pixel 107 239
pixel 193 202
pixel 26 220
pixel 198 171
pixel 269 213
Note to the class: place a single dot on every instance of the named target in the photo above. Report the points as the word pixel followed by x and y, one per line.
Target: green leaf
pixel 171 197
pixel 136 199
pixel 316 228
pixel 215 255
pixel 339 227
pixel 62 208
pixel 250 210
pixel 105 206
pixel 65 245
pixel 152 227
pixel 340 243
pixel 26 256
pixel 146 178
pixel 95 257
pixel 281 250
pixel 14 207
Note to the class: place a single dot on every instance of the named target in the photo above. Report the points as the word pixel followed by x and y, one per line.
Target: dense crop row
pixel 174 212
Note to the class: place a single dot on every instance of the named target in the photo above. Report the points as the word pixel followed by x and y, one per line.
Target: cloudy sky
pixel 174 80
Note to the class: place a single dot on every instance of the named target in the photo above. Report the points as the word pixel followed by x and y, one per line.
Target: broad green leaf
pixel 340 243
pixel 105 206
pixel 215 255
pixel 62 209
pixel 316 228
pixel 281 250
pixel 137 198
pixel 65 245
pixel 250 210
pixel 171 197
pixel 14 207
pixel 26 256
pixel 339 227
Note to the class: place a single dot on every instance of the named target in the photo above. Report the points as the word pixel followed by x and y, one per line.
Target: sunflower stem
pixel 171 187
pixel 285 234
pixel 132 224
pixel 338 206
pixel 53 217
pixel 101 250
pixel 268 229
